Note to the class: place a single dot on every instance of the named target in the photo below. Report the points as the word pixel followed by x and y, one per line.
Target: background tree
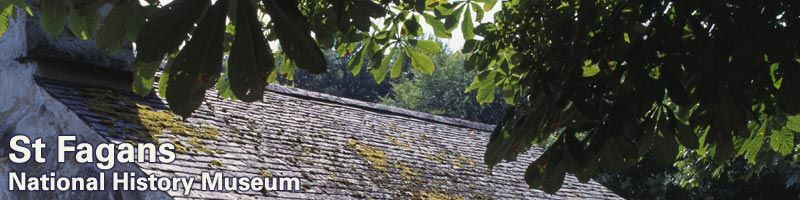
pixel 338 81
pixel 443 92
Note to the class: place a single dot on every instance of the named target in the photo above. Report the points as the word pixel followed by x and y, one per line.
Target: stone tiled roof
pixel 339 148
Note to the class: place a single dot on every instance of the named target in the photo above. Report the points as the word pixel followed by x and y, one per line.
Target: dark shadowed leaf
pixel 665 147
pixel 292 30
pixel 82 26
pixel 788 97
pixel 164 31
pixel 684 133
pixel 251 59
pixel 53 16
pixel 197 66
pixel 119 25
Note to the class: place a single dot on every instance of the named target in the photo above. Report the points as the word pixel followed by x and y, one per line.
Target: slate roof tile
pixel 339 148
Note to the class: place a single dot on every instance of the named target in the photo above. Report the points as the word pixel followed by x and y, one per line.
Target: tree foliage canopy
pixel 612 81
pixel 616 80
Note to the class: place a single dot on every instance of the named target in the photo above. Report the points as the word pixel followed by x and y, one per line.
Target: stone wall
pixel 27 109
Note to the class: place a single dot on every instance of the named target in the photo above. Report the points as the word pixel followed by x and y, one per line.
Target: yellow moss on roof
pixel 406 172
pixel 264 173
pixel 399 143
pixel 153 122
pixel 216 164
pixel 376 157
pixel 432 195
pixel 196 145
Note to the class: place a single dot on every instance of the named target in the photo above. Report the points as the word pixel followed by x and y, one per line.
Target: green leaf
pixel 753 145
pixel 445 9
pixel 452 19
pixel 489 4
pixel 782 141
pixel 397 66
pixel 164 31
pixel 438 27
pixel 476 83
pixel 18 3
pixel 478 12
pixel 486 89
pixel 412 27
pixel 357 61
pixel 251 59
pixel 467 27
pixel 427 46
pixel 420 61
pixel 286 68
pixel 223 85
pixel 53 16
pixel 196 68
pixel 117 26
pixel 82 26
pixel 143 77
pixel 626 37
pixel 793 123
pixel 590 69
pixel 292 30
pixel 7 13
pixel 5 16
pixel 163 81
pixel 380 73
